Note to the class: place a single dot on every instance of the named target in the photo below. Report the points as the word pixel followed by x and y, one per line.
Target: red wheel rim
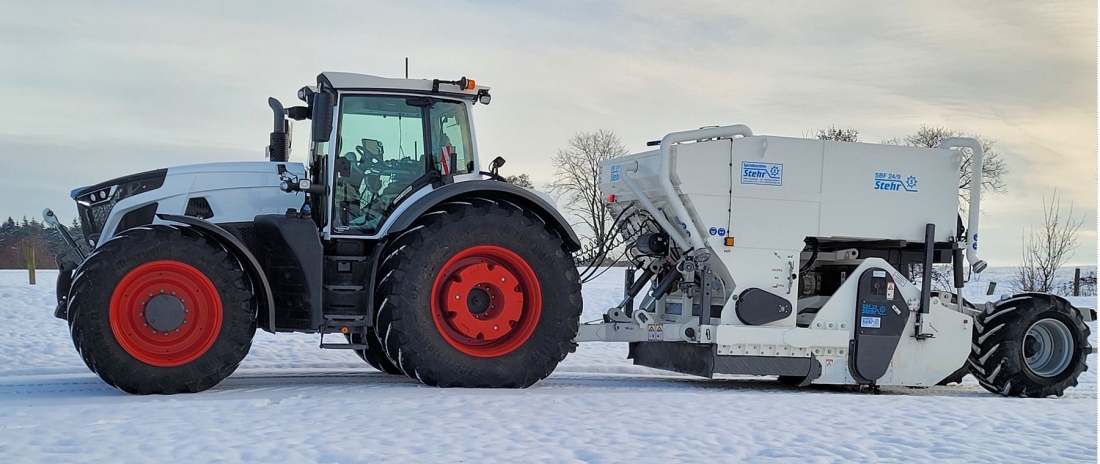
pixel 186 293
pixel 486 301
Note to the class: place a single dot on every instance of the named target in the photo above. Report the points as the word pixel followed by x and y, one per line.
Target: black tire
pixel 1002 344
pixel 374 355
pixel 405 322
pixel 90 312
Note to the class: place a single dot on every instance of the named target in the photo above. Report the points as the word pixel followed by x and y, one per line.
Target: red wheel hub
pixel 486 301
pixel 166 313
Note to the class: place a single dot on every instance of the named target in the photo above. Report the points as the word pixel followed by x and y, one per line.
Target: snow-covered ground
pixel 292 402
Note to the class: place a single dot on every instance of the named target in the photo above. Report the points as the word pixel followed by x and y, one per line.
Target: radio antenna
pixel 406 67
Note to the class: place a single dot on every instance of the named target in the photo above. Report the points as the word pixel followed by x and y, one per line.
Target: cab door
pixel 380 151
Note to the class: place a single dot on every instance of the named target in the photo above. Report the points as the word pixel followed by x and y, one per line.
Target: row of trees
pixel 17 236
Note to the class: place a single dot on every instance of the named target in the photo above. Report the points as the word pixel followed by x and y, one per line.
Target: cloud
pixel 105 89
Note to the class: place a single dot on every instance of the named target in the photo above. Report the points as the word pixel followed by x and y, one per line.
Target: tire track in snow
pixel 298 381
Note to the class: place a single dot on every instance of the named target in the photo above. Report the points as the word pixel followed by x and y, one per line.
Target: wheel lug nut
pixel 494 327
pixel 457 297
pixel 502 279
pixel 173 293
pixel 162 291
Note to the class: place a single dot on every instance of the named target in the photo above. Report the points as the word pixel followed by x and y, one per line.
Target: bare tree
pixel 577 175
pixel 994 168
pixel 841 135
pixel 1047 247
pixel 521 180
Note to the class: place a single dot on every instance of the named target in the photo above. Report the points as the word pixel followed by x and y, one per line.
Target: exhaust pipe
pixel 276 149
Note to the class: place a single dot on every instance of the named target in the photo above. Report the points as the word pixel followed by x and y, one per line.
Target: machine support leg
pixel 926 279
pixel 704 300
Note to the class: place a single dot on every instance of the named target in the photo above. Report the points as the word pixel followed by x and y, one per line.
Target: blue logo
pixel 753 173
pixel 719 231
pixel 872 309
pixel 894 182
pixel 615 172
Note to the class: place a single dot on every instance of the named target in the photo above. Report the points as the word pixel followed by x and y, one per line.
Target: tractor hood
pixel 222 192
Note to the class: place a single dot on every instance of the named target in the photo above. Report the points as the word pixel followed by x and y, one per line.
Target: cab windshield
pixel 382 151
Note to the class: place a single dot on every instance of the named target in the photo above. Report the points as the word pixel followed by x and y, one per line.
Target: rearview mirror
pixel 322 116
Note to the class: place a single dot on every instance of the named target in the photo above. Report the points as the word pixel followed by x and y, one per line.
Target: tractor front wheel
pixel 159 309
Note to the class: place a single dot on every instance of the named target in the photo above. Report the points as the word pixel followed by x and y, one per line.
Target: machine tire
pixel 1006 351
pixel 468 248
pixel 374 355
pixel 109 286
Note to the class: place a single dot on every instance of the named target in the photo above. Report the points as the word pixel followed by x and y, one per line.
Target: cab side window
pixel 451 135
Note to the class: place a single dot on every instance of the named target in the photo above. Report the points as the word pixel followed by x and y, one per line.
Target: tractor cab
pixel 377 142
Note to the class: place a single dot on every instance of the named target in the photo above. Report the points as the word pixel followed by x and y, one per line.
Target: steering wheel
pixel 368 160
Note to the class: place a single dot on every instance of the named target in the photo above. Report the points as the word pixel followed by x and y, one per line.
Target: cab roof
pixel 352 81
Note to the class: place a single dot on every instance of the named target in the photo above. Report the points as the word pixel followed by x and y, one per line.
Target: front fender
pixel 260 284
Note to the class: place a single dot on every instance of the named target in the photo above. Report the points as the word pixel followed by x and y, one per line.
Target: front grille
pixel 94 203
pixel 93 218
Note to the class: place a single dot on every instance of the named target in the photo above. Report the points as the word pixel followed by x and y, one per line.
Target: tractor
pixel 396 239
pixel 806 260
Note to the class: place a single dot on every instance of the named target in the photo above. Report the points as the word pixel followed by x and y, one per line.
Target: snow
pixel 292 402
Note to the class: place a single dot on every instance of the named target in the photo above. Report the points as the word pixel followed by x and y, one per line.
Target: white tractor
pixel 763 256
pixel 396 237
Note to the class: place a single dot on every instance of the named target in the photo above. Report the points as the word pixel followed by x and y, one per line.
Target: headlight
pixel 97 201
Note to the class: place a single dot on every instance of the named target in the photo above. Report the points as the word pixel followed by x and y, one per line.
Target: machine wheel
pixel 159 309
pixel 374 355
pixel 478 294
pixel 1031 345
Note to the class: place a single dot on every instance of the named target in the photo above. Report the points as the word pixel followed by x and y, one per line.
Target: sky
pixel 95 90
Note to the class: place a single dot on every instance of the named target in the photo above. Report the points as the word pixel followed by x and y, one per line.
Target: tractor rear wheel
pixel 160 309
pixel 478 294
pixel 374 355
pixel 1031 345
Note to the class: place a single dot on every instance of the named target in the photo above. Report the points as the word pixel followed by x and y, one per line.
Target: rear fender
pixel 491 190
